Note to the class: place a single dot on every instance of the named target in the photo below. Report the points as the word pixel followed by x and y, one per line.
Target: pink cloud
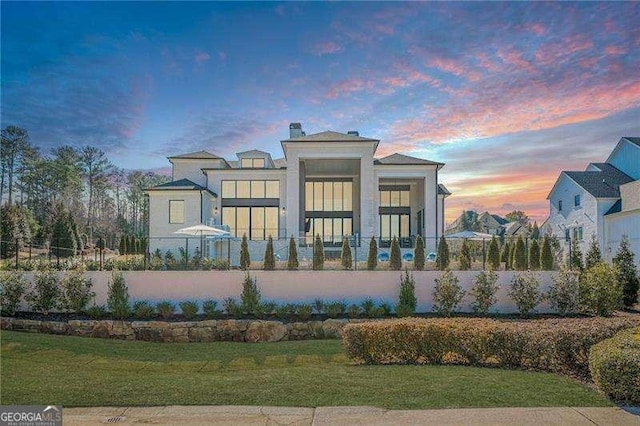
pixel 326 48
pixel 201 57
pixel 615 50
pixel 345 87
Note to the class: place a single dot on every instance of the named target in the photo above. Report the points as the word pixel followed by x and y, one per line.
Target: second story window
pixel 176 211
pixel 559 205
pixel 576 201
pixel 252 163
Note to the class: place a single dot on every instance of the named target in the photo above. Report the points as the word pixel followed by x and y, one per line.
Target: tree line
pixel 69 197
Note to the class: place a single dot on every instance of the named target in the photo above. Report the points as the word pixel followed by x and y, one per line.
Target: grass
pixel 76 371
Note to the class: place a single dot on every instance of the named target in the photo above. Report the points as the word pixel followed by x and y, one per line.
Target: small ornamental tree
pixel 407 301
pixel 593 254
pixel 269 258
pixel 493 254
pixel 627 273
pixel 395 261
pixel 546 255
pixel 118 296
pixel 504 256
pixel 14 287
pixel 465 256
pixel 372 259
pixel 44 296
pixel 292 262
pixel 576 256
pixel 520 255
pixel 484 291
pixel 418 255
pixel 250 297
pixel 63 241
pixel 345 258
pixel 563 293
pixel 512 256
pixel 525 292
pixel 447 293
pixel 75 291
pixel 442 259
pixel 318 254
pixel 534 255
pixel 600 292
pixel 245 260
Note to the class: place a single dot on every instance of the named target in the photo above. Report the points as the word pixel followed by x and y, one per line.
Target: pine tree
pixel 62 240
pixel 118 296
pixel 407 300
pixel 493 254
pixel 269 258
pixel 372 259
pixel 520 255
pixel 418 255
pixel 534 255
pixel 465 256
pixel 122 247
pixel 535 231
pixel 512 255
pixel 506 253
pixel 395 261
pixel 627 273
pixel 442 259
pixel 245 260
pixel 292 262
pixel 576 256
pixel 546 256
pixel 593 254
pixel 318 254
pixel 132 245
pixel 345 257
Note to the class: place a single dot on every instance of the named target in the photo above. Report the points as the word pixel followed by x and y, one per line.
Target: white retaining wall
pixel 298 286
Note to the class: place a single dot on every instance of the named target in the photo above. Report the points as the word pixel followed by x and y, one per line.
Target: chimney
pixel 353 133
pixel 295 130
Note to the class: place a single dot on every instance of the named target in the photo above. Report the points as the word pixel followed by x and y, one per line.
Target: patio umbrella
pixel 202 230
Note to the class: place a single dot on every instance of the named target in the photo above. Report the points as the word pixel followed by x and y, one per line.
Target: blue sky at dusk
pixel 507 94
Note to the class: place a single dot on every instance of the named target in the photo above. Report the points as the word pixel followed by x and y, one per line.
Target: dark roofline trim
pixel 182 188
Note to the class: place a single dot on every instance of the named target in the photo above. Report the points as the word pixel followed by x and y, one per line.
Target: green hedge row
pixel 556 345
pixel 615 366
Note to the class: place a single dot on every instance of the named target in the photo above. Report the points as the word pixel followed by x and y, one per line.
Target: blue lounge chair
pixel 407 257
pixel 383 257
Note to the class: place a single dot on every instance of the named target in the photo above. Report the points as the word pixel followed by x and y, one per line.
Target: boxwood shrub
pixel 615 366
pixel 556 345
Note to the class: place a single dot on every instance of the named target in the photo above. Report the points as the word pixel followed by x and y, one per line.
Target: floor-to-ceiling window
pixel 328 210
pixel 251 207
pixel 395 214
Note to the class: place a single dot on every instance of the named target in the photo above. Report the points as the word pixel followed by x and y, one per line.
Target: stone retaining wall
pixel 184 332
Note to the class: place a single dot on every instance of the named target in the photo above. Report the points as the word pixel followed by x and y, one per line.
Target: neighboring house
pixel 603 200
pixel 328 183
pixel 486 223
pixel 515 229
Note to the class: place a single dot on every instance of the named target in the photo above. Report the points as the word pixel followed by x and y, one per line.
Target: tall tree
pixel 593 254
pixel 520 255
pixel 13 141
pixel 96 168
pixel 546 255
pixel 505 256
pixel 493 254
pixel 517 216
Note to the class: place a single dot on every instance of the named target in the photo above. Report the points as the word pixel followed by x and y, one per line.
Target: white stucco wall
pixel 187 168
pixel 161 232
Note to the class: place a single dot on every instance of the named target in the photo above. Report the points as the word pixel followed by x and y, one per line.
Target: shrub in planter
pixel 282 312
pixel 245 260
pixel 96 312
pixel 318 254
pixel 372 258
pixel 484 291
pixel 318 306
pixel 407 300
pixel 75 291
pixel 189 309
pixel 210 309
pixel 269 263
pixel 232 307
pixel 419 257
pixel 166 309
pixel 220 264
pixel 45 294
pixel 368 307
pixel 600 292
pixel 250 297
pixel 386 309
pixel 563 293
pixel 292 261
pixel 156 263
pixel 304 311
pixel 346 260
pixel 118 296
pixel 615 366
pixel 395 261
pixel 353 311
pixel 447 294
pixel 14 287
pixel 335 309
pixel 525 292
pixel 143 310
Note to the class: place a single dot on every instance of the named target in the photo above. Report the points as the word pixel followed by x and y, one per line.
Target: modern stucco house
pixel 328 183
pixel 603 200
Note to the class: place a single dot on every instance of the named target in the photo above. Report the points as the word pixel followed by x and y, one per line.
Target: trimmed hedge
pixel 556 345
pixel 615 366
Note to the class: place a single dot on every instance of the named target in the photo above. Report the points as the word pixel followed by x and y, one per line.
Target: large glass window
pixel 252 163
pixel 394 225
pixel 250 189
pixel 176 211
pixel 331 230
pixel 394 196
pixel 329 196
pixel 256 222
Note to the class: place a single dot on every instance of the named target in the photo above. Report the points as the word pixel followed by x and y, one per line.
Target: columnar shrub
pixel 575 260
pixel 45 294
pixel 269 257
pixel 600 291
pixel 442 258
pixel 447 293
pixel 345 257
pixel 143 310
pixel 122 247
pixel 166 309
pixel 525 292
pixel 372 259
pixel 245 260
pixel 418 255
pixel 407 300
pixel 504 256
pixel 520 256
pixel 318 254
pixel 465 256
pixel 292 261
pixel 593 255
pixel 304 311
pixel 534 255
pixel 75 291
pixel 484 291
pixel 395 261
pixel 563 293
pixel 250 297
pixel 14 287
pixel 546 255
pixel 627 273
pixel 493 254
pixel 118 296
pixel 512 255
pixel 189 309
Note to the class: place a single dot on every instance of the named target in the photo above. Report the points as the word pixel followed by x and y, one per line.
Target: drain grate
pixel 114 419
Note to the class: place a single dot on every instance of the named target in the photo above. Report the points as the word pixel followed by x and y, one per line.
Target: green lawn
pixel 76 371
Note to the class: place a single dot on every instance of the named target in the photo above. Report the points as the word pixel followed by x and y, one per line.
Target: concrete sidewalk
pixel 249 415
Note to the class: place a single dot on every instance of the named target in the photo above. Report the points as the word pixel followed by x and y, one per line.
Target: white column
pixel 293 195
pixel 430 210
pixel 367 197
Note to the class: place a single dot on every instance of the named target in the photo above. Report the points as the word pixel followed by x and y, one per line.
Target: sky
pixel 506 94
